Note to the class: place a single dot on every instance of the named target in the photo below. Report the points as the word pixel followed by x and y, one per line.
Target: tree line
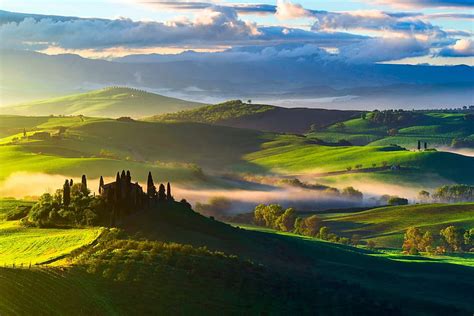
pixel 449 194
pixel 450 239
pixel 276 217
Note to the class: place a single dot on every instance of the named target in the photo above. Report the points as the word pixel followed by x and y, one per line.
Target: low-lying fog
pixel 23 184
pixel 469 152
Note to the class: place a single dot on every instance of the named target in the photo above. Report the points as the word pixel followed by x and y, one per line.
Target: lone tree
pixel 24 132
pixel 161 193
pixel 66 194
pixel 84 184
pixel 419 145
pixel 101 182
pixel 426 145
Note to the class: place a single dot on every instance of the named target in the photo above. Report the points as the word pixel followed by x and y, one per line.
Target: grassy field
pixel 387 225
pixel 10 204
pixel 285 273
pixel 438 129
pixel 21 245
pixel 175 150
pixel 108 102
pixel 302 157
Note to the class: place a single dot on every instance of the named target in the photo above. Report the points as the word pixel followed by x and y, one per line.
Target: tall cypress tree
pixel 66 194
pixel 84 184
pixel 101 184
pixel 117 188
pixel 150 187
pixel 169 197
pixel 71 183
pixel 161 193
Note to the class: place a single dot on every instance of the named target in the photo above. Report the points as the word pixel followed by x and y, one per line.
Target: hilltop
pixel 260 116
pixel 108 102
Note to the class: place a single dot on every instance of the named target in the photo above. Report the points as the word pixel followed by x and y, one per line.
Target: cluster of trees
pixel 71 205
pixel 449 194
pixel 276 217
pixel 450 239
pixel 392 117
pixel 392 200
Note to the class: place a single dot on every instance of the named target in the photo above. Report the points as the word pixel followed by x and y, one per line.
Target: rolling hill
pixel 387 225
pixel 259 117
pixel 109 102
pixel 436 128
pixel 177 149
pixel 173 260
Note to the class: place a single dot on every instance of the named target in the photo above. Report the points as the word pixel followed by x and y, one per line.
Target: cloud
pixel 374 20
pixel 462 48
pixel 384 49
pixel 287 10
pixel 214 25
pixel 428 3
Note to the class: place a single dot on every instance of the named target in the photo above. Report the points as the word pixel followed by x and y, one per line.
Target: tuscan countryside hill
pixel 108 268
pixel 107 102
pixel 223 157
pixel 259 116
pixel 71 143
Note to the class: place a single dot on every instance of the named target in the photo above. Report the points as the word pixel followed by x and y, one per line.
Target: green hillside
pixel 387 225
pixel 259 116
pixel 292 156
pixel 435 128
pixel 147 269
pixel 177 150
pixel 108 102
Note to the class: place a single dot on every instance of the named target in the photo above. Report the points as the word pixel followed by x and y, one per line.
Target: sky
pixel 358 31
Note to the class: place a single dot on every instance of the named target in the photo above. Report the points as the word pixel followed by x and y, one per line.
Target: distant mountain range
pixel 28 76
pixel 109 102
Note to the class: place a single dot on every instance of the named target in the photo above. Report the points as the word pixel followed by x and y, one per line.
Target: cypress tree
pixel 169 197
pixel 117 188
pixel 71 183
pixel 419 145
pixel 24 132
pixel 162 193
pixel 101 184
pixel 426 145
pixel 150 187
pixel 84 184
pixel 66 194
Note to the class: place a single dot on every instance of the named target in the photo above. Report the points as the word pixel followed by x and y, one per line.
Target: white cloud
pixel 462 48
pixel 287 10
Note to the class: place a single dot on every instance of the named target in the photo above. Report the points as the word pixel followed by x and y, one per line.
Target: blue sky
pixel 408 31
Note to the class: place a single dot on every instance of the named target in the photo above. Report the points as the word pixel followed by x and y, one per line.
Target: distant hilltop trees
pixel 74 205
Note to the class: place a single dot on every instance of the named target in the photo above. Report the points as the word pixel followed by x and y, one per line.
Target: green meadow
pixel 21 246
pixel 437 129
pixel 387 225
